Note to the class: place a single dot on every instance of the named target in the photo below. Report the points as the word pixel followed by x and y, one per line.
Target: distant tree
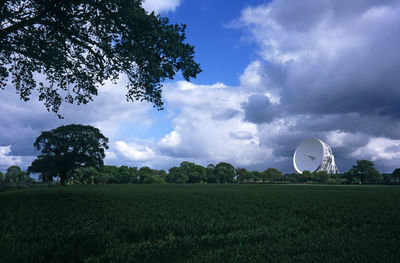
pixel 177 175
pixel 248 176
pixel 195 173
pixel 150 176
pixel 143 172
pixel 256 176
pixel 211 175
pixel 305 176
pixel 108 174
pixel 264 176
pixel 85 175
pixel 1 176
pixel 321 176
pixel 67 148
pixel 162 174
pixel 45 177
pixel 171 174
pixel 241 174
pixel 350 176
pixel 133 175
pixel 16 175
pixel 396 175
pixel 271 174
pixel 153 179
pixel 225 172
pixel 125 175
pixel 77 45
pixel 103 178
pixel 364 170
pixel 373 175
pixel 292 177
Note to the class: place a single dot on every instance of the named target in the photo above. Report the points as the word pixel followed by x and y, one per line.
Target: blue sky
pixel 274 73
pixel 220 50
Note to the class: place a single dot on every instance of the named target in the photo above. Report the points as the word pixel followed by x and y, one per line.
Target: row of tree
pixel 363 172
pixel 75 153
pixel 14 175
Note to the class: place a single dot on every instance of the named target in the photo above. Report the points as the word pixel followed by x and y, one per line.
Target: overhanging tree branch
pixel 81 43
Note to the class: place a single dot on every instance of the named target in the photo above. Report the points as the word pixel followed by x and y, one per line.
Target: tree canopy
pixel 15 174
pixel 225 172
pixel 67 148
pixel 77 45
pixel 271 174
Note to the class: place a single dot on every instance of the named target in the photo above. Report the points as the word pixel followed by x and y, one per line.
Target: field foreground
pixel 201 223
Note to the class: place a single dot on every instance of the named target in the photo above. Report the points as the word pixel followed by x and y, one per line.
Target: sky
pixel 274 73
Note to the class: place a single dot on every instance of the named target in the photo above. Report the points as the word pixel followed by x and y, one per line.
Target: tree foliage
pixel 321 176
pixel 365 172
pixel 77 45
pixel 67 148
pixel 14 174
pixel 151 176
pixel 271 174
pixel 396 173
pixel 225 172
pixel 241 174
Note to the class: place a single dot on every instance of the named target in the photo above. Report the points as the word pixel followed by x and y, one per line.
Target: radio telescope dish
pixel 314 155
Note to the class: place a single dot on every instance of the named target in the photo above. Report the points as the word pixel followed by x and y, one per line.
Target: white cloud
pixel 172 139
pixel 207 127
pixel 6 159
pixel 134 151
pixel 159 6
pixel 341 138
pixel 210 126
pixel 379 149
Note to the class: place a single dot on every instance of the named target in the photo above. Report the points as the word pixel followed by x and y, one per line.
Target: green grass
pixel 201 223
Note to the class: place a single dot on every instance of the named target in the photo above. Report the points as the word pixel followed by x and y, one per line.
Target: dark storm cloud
pixel 258 109
pixel 367 83
pixel 346 57
pixel 21 123
pixel 335 66
pixel 374 125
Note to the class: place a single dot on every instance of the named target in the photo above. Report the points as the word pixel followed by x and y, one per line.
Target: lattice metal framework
pixel 328 161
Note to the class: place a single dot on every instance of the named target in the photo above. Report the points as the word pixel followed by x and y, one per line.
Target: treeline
pixel 15 178
pixel 363 172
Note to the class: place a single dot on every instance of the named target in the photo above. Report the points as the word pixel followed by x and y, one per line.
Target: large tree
pixel 78 44
pixel 364 170
pixel 67 148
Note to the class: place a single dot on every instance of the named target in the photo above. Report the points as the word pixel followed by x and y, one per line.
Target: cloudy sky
pixel 274 73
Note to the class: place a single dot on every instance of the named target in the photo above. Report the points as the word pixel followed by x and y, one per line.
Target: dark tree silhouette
pixel 67 148
pixel 78 44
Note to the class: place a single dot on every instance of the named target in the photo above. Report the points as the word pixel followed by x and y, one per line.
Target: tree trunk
pixel 62 179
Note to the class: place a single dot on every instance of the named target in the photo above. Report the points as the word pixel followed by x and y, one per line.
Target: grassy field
pixel 201 223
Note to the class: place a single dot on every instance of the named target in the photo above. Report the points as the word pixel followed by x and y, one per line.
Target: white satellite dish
pixel 314 155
